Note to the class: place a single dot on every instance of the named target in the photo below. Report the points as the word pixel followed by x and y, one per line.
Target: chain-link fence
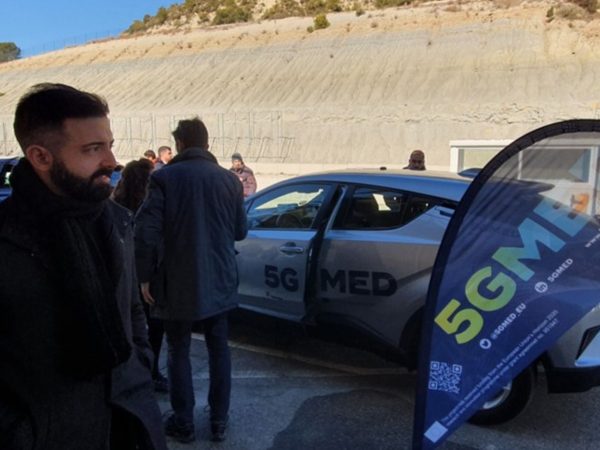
pixel 258 136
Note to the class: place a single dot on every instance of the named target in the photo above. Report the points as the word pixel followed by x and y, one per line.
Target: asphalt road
pixel 292 390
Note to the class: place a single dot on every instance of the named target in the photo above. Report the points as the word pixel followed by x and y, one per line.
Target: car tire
pixel 509 402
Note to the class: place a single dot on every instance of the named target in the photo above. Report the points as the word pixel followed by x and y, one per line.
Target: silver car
pixel 357 248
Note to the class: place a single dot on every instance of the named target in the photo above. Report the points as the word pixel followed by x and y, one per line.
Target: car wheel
pixel 509 402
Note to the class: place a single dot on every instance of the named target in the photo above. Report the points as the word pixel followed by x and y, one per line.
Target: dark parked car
pixel 6 165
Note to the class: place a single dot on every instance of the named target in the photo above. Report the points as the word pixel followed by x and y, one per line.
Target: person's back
pixel 185 237
pixel 202 221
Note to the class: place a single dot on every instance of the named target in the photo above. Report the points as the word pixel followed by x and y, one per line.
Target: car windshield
pixel 293 206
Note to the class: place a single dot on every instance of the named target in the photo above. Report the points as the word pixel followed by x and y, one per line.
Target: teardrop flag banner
pixel 518 266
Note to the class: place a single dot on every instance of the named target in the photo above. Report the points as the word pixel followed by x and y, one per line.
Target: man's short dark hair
pixel 42 111
pixel 150 154
pixel 163 149
pixel 191 133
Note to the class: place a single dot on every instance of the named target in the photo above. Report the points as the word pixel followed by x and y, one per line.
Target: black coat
pixel 185 234
pixel 36 393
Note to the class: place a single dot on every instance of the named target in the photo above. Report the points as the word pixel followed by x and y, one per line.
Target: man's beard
pixel 79 188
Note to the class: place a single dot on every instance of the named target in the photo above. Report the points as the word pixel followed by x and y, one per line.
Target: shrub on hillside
pixel 136 27
pixel 589 5
pixel 312 7
pixel 200 6
pixel 282 9
pixel 9 51
pixel 380 4
pixel 231 13
pixel 570 12
pixel 334 6
pixel 161 16
pixel 321 22
pixel 358 9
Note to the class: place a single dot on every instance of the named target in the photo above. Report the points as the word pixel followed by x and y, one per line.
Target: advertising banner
pixel 519 265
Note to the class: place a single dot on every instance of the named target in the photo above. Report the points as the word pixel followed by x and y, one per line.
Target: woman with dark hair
pixel 132 186
pixel 130 193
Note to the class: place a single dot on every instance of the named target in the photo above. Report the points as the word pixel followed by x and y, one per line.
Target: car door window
pixel 289 207
pixel 371 208
pixel 418 205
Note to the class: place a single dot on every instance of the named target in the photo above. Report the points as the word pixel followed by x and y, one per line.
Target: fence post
pixel 222 132
pixel 153 130
pixel 129 136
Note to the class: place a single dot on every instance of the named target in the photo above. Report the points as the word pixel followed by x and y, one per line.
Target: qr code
pixel 444 377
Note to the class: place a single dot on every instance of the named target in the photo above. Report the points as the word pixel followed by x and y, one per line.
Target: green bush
pixel 136 27
pixel 9 51
pixel 231 13
pixel 358 9
pixel 321 22
pixel 313 7
pixel 570 11
pixel 589 5
pixel 282 9
pixel 161 16
pixel 380 4
pixel 334 6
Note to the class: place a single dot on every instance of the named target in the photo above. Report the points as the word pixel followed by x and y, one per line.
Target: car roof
pixel 440 184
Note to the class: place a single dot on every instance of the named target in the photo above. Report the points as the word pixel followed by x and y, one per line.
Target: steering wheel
pixel 287 220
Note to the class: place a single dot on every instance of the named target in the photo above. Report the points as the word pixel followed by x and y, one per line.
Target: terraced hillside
pixel 364 91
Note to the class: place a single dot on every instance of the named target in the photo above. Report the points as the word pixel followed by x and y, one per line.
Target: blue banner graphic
pixel 518 266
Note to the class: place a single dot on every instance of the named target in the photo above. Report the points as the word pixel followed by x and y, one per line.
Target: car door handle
pixel 291 249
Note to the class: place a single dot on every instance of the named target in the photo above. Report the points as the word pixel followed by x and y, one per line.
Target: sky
pixel 38 26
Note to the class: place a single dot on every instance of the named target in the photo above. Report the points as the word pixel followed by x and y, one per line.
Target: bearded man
pixel 73 342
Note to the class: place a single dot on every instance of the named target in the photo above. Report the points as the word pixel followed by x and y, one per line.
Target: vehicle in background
pixel 6 165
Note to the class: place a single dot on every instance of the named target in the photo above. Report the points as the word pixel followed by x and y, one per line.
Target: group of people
pixel 78 366
pixel 165 155
pixel 243 172
pixel 79 351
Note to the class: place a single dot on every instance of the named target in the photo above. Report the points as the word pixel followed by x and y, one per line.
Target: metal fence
pixel 258 136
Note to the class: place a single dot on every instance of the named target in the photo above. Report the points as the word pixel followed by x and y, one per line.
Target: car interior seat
pixel 363 212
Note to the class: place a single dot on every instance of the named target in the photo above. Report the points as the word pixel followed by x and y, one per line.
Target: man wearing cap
pixel 244 173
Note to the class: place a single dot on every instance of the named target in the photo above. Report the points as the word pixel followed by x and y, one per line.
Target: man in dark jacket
pixel 185 234
pixel 73 345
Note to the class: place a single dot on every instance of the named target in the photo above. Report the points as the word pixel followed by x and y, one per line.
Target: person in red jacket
pixel 244 173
